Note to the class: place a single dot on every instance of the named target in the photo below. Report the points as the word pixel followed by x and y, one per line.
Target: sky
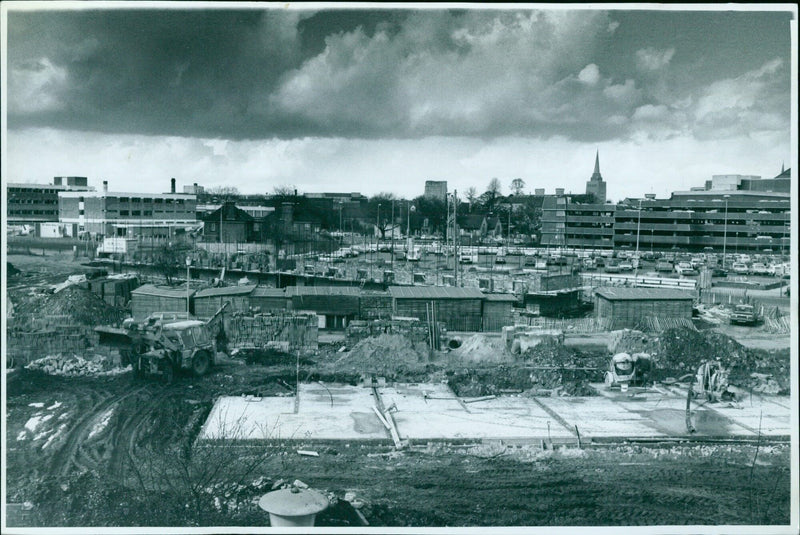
pixel 381 100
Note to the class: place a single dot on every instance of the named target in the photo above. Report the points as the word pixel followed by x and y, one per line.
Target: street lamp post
pixel 725 234
pixel 188 263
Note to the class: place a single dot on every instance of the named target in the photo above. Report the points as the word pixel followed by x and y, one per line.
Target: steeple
pixel 596 175
pixel 782 168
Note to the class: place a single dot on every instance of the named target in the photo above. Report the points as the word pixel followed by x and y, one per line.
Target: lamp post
pixel 188 263
pixel 725 234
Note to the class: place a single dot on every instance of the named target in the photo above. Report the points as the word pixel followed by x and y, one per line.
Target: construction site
pixel 131 402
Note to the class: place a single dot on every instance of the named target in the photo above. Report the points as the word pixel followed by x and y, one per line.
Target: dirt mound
pixel 482 348
pixel 387 354
pixel 11 270
pixel 78 304
pixel 681 351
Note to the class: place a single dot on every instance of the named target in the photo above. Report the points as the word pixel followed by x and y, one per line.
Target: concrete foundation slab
pixel 433 412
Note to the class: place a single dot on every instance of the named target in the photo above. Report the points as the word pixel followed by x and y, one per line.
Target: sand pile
pixel 387 354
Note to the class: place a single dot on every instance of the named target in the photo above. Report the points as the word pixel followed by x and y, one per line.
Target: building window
pixel 136 212
pixel 123 212
pixel 213 227
pixel 159 200
pixel 124 199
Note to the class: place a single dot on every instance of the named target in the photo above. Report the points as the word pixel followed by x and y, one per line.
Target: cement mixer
pixel 626 370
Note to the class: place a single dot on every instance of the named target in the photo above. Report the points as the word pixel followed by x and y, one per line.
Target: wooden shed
pixel 268 299
pixel 460 309
pixel 498 311
pixel 626 307
pixel 148 299
pixel 209 300
pixel 335 306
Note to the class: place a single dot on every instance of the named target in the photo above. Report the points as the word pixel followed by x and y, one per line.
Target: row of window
pixel 11 211
pixel 147 200
pixel 12 199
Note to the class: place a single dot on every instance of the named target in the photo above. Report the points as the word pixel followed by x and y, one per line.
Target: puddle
pixel 673 422
pixel 366 423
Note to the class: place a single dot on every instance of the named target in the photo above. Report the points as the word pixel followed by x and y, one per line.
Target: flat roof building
pixel 108 213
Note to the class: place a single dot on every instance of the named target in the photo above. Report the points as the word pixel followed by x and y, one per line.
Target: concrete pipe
pixel 454 343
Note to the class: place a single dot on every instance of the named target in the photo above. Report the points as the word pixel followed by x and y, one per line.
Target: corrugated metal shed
pixel 434 292
pixel 292 291
pixel 501 297
pixel 162 291
pixel 267 291
pixel 227 290
pixel 635 294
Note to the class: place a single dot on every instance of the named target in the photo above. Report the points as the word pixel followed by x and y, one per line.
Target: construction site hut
pixel 627 307
pixel 498 311
pixel 460 309
pixel 335 306
pixel 209 300
pixel 267 299
pixel 149 299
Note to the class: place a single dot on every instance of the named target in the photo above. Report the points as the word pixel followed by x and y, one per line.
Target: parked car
pixel 612 268
pixel 740 268
pixel 759 269
pixel 626 266
pixel 685 269
pixel 664 266
pixel 719 272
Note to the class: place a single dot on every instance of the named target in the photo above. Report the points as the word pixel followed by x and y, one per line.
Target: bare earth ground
pixel 111 451
pixel 433 485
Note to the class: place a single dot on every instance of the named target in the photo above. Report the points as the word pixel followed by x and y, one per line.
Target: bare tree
pixel 492 192
pixel 222 191
pixel 517 186
pixel 472 195
pixel 284 190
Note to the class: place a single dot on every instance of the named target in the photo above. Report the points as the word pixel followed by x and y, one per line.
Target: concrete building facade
pixel 436 189
pixel 31 204
pixel 106 213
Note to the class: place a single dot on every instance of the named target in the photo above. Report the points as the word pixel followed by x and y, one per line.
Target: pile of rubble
pixel 682 351
pixel 481 348
pixel 387 354
pixel 76 366
pixel 76 303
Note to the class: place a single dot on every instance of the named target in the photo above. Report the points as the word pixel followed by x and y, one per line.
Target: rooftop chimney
pixel 105 186
pixel 172 187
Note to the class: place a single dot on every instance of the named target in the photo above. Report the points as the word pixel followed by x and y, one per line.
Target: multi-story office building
pixel 436 189
pixel 733 214
pixel 29 204
pixel 104 213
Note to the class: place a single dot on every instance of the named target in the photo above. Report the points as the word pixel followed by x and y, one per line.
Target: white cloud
pixel 410 81
pixel 651 59
pixel 650 112
pixel 589 74
pixel 34 86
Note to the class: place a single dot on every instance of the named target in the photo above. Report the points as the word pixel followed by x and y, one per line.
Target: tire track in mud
pixel 123 443
pixel 69 454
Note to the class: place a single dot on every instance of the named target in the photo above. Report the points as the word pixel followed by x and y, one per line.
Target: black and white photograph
pixel 365 268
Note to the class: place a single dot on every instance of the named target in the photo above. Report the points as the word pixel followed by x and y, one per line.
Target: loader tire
pixel 201 363
pixel 169 372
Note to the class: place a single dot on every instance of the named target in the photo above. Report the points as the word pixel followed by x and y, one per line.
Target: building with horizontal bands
pixel 106 213
pixel 32 204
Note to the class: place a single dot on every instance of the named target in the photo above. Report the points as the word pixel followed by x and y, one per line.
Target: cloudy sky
pixel 384 99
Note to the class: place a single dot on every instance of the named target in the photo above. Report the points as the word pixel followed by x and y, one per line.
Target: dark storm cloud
pixel 584 75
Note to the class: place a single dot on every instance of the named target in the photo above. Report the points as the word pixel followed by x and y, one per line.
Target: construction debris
pixel 76 366
pixel 73 304
pixel 387 355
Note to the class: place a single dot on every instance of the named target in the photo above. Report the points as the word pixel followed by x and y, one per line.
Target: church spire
pixel 596 175
pixel 782 168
